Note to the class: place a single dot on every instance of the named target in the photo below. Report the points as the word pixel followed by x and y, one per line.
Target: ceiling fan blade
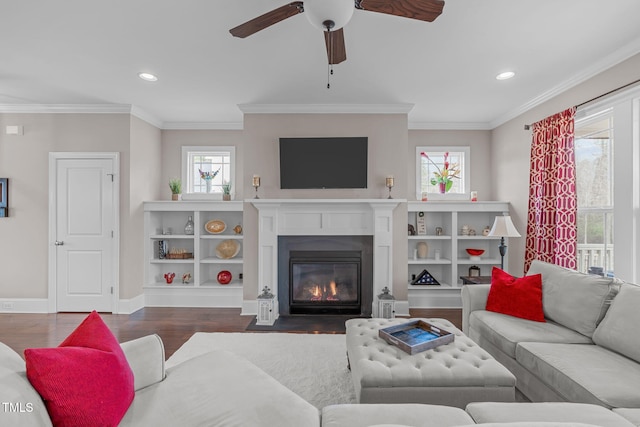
pixel 424 10
pixel 268 19
pixel 336 52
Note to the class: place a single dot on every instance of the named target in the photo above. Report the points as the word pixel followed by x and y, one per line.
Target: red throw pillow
pixel 519 297
pixel 86 381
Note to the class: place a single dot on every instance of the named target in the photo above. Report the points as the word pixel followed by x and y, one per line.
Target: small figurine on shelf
pixel 169 277
pixel 186 278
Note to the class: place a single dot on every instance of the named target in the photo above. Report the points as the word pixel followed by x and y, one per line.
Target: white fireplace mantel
pixel 329 217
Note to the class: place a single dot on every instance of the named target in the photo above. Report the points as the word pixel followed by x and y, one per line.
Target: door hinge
pixel 112 234
pixel 111 175
pixel 112 290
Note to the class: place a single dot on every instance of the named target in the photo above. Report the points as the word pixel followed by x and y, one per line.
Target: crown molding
pixel 609 61
pixel 144 116
pixel 203 126
pixel 325 108
pixel 65 108
pixel 449 126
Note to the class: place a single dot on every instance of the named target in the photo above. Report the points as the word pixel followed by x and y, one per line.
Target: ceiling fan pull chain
pixel 329 67
pixel 329 25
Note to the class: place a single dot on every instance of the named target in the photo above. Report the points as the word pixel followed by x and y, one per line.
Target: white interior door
pixel 85 219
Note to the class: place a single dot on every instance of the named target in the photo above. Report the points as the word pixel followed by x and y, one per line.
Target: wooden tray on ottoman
pixel 416 336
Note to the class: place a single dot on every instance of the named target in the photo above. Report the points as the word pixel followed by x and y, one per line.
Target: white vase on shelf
pixel 423 249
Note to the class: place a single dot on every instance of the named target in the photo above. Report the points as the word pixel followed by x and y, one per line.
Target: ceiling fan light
pixel 319 11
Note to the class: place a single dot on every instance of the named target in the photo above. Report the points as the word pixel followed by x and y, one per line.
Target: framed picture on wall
pixel 4 197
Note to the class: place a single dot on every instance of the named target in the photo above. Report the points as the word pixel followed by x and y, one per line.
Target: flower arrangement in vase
pixel 443 177
pixel 208 177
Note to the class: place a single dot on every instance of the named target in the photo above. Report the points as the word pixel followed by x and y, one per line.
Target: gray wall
pixel 24 160
pixel 510 152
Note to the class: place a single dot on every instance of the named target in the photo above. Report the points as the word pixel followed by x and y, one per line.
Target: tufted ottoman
pixel 454 374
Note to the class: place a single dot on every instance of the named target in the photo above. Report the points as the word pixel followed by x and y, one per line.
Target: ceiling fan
pixel 331 15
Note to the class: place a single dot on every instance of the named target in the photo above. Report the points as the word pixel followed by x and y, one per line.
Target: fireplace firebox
pixel 325 282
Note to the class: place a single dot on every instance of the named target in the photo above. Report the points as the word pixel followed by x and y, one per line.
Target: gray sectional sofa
pixel 221 389
pixel 583 364
pixel 588 350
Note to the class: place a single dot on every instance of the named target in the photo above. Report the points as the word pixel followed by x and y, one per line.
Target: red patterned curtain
pixel 552 218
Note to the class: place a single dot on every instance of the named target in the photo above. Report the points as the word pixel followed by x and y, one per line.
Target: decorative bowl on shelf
pixel 475 252
pixel 227 249
pixel 215 226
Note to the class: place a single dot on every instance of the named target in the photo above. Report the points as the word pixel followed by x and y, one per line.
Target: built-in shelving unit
pixel 164 221
pixel 453 261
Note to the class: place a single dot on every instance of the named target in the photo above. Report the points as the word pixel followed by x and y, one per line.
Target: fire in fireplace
pixel 324 282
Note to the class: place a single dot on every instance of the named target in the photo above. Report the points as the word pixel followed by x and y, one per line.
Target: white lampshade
pixel 338 11
pixel 503 227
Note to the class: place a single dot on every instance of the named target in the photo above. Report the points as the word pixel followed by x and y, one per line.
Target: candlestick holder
pixel 389 184
pixel 256 184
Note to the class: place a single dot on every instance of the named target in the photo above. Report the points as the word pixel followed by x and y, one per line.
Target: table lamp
pixel 503 227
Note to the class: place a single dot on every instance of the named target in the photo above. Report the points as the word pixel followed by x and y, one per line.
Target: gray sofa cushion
pixel 219 389
pixel 575 300
pixel 16 393
pixel 533 424
pixel 631 414
pixel 619 329
pixel 406 414
pixel 584 373
pixel 505 332
pixel 559 412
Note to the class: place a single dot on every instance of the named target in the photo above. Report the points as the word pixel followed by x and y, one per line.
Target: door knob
pixel 58 243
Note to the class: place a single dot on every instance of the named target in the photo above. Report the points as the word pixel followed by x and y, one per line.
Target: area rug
pixel 314 366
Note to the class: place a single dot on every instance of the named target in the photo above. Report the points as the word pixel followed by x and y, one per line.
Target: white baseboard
pixel 24 305
pixel 41 305
pixel 402 308
pixel 128 306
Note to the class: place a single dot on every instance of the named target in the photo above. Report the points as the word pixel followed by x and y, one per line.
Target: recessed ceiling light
pixel 506 75
pixel 148 77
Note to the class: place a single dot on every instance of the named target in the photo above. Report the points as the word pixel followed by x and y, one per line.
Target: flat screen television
pixel 323 162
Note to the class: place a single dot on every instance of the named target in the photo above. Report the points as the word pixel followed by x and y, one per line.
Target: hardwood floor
pixel 174 325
